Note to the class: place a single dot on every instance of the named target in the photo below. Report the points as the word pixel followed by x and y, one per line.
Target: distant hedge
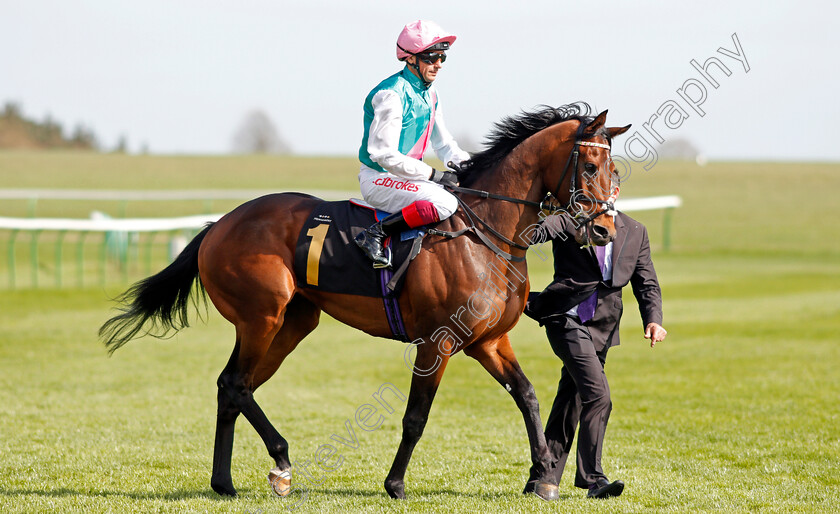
pixel 17 131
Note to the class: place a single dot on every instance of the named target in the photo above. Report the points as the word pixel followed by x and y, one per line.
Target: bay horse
pixel 244 263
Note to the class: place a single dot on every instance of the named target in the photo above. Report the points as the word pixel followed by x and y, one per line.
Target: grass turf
pixel 736 411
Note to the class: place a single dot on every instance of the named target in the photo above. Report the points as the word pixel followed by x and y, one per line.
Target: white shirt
pixel 606 274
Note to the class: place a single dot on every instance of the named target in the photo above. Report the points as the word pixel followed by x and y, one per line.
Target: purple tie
pixel 586 308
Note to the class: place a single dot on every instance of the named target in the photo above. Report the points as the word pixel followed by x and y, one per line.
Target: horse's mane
pixel 512 130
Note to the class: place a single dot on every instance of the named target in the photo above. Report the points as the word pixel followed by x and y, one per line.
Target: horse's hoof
pixel 280 481
pixel 224 488
pixel 395 489
pixel 546 491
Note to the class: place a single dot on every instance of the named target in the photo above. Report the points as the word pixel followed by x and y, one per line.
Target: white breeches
pixel 391 193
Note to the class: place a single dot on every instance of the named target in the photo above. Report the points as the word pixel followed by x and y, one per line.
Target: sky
pixel 178 76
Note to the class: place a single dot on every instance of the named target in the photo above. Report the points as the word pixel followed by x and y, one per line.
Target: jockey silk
pixel 402 118
pixel 418 106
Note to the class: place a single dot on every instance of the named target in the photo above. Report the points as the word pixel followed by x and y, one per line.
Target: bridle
pixel 548 204
pixel 578 215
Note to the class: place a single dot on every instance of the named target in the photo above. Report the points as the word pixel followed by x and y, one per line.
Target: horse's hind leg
pixel 226 415
pixel 498 359
pixel 243 375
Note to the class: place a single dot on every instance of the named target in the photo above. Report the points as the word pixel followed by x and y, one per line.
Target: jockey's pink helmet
pixel 421 35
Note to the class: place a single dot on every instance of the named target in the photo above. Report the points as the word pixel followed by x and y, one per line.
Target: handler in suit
pixel 581 310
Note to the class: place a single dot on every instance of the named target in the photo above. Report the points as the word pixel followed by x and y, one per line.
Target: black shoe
pixel 604 489
pixel 370 241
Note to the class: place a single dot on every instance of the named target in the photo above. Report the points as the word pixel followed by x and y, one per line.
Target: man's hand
pixel 445 178
pixel 655 333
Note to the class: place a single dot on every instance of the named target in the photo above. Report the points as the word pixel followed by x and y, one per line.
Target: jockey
pixel 402 115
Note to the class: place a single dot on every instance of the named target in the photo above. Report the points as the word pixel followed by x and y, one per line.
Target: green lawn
pixel 736 411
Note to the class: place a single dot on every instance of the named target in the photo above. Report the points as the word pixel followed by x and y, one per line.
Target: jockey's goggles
pixel 432 57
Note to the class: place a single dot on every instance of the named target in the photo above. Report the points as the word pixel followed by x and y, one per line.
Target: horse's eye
pixel 590 167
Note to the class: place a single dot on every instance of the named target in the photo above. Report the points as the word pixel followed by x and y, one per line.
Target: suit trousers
pixel 583 397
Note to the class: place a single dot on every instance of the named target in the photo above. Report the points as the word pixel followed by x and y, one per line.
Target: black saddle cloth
pixel 327 258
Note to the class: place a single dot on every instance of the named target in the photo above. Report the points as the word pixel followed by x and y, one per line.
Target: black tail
pixel 159 301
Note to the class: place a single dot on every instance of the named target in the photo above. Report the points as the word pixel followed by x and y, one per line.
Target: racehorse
pixel 244 263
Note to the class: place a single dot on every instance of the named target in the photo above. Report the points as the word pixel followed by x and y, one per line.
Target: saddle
pixel 327 259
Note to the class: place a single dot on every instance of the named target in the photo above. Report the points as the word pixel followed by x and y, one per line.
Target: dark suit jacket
pixel 576 276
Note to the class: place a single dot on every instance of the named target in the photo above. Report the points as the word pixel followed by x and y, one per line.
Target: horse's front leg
pixel 498 359
pixel 428 370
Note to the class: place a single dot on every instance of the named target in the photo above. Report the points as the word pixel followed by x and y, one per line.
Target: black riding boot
pixel 370 240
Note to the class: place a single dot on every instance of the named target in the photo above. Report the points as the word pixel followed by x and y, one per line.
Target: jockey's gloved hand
pixel 446 178
pixel 452 166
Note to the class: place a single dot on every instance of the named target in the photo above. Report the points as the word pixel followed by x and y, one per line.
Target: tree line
pixel 18 131
pixel 256 133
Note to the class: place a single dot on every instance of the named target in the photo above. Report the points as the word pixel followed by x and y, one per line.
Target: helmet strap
pixel 416 66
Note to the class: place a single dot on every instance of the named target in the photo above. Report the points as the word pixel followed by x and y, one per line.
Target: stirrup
pixel 379 265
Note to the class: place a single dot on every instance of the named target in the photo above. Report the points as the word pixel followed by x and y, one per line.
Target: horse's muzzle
pixel 591 233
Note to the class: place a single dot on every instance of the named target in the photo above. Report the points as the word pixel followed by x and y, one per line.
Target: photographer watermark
pixel 671 114
pixel 501 278
pixel 303 474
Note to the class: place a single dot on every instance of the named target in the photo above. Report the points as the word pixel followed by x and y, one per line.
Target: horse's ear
pixel 596 124
pixel 617 131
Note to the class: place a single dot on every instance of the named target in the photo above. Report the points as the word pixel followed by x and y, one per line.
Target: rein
pixel 494 196
pixel 472 217
pixel 546 204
